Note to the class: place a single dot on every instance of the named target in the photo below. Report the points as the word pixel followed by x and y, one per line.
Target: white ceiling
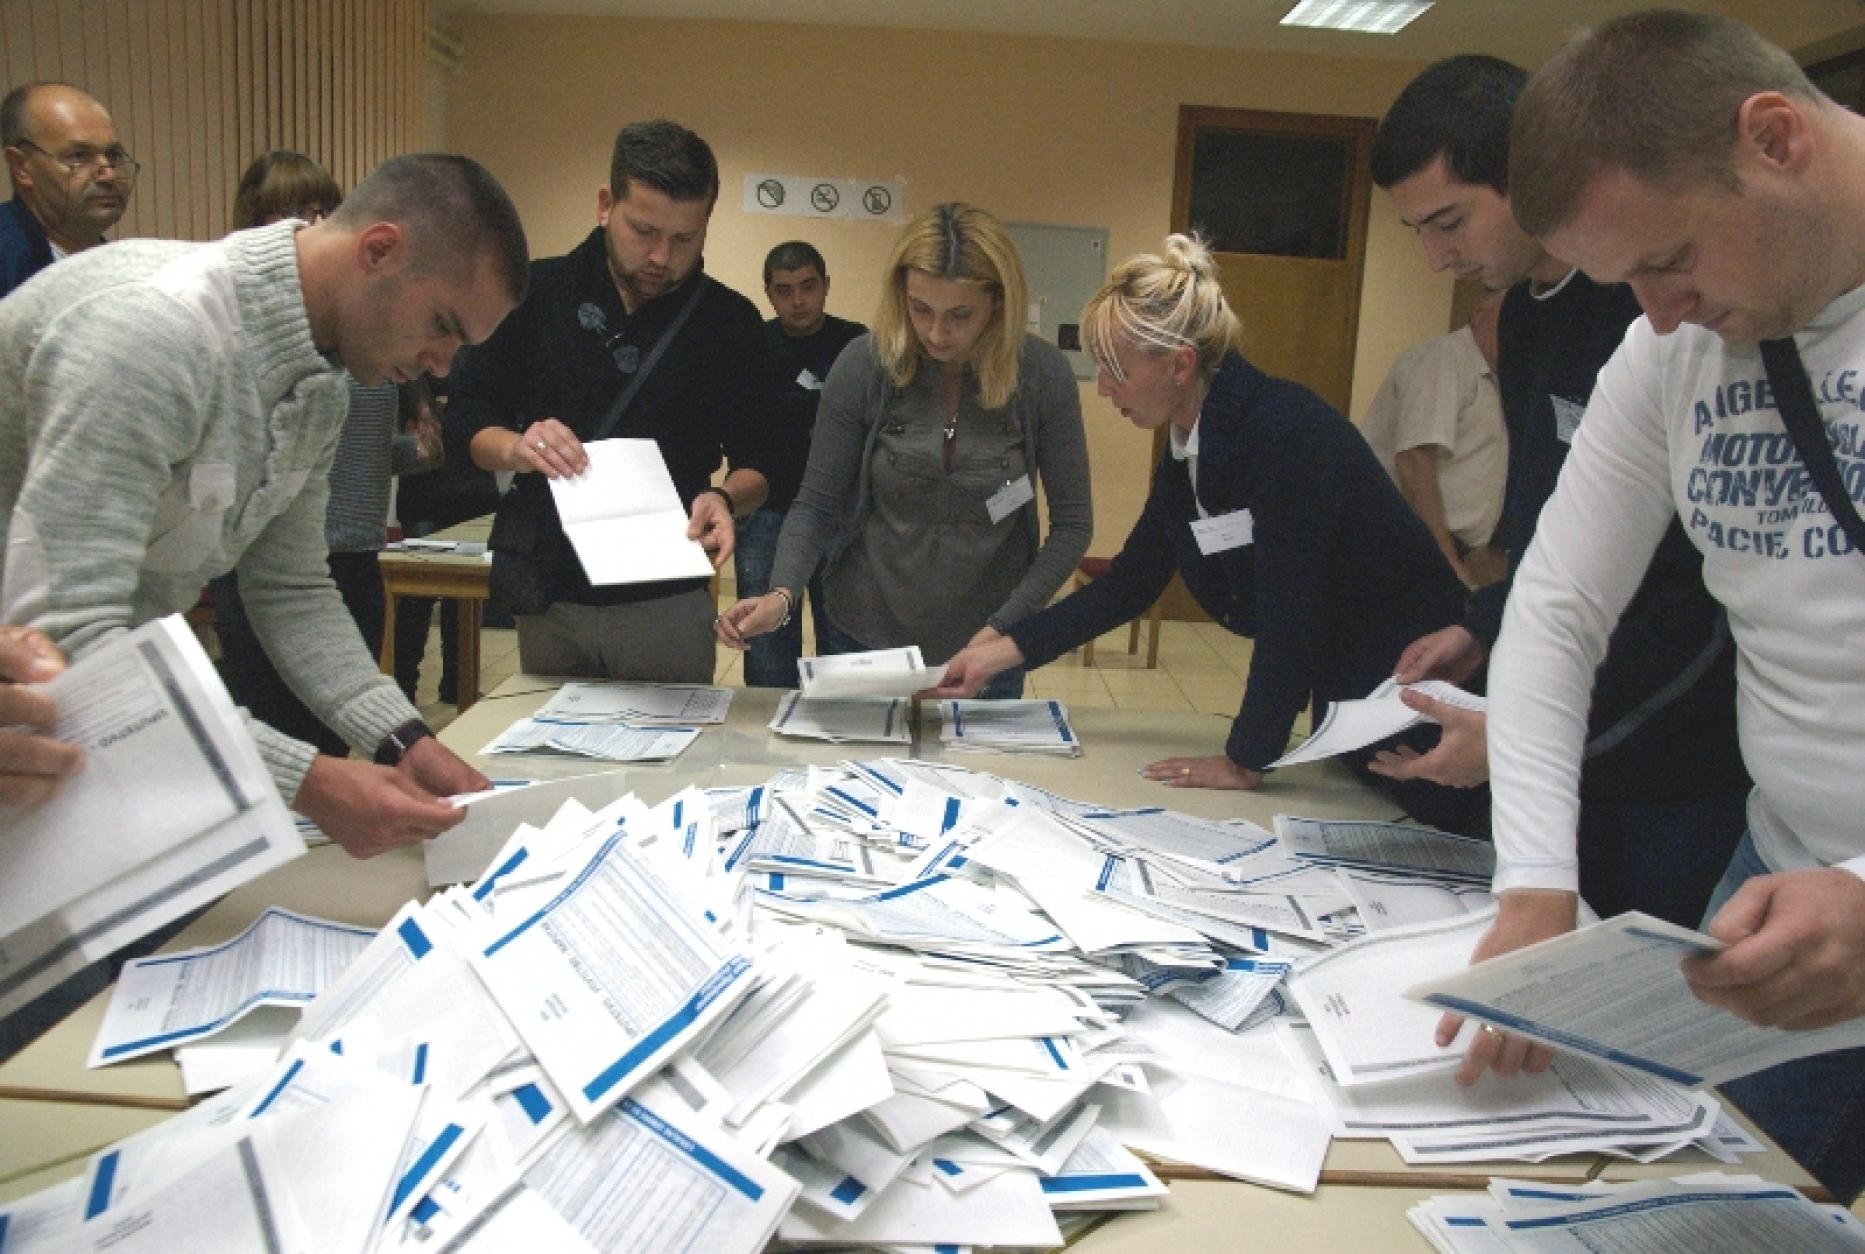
pixel 1522 30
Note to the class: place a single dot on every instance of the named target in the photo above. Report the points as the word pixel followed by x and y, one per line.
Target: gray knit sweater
pixel 165 415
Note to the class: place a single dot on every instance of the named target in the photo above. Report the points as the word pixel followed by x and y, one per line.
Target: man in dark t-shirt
pixel 803 341
pixel 1663 789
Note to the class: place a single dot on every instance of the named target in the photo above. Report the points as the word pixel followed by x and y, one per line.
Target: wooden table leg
pixel 386 657
pixel 467 664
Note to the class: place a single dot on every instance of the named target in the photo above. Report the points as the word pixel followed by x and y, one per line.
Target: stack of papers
pixel 881 673
pixel 882 720
pixel 1008 727
pixel 606 740
pixel 1350 725
pixel 1696 1212
pixel 683 705
pixel 624 519
pixel 886 1003
pixel 77 882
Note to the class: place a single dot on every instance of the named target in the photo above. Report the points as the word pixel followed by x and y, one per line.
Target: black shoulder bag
pixel 523 574
pixel 1793 395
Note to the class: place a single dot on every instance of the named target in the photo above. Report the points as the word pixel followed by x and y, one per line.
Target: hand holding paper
pixel 30 765
pixel 1796 956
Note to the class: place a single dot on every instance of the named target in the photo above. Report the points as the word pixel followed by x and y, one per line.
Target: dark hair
pixel 13 109
pixel 453 209
pixel 1658 95
pixel 793 255
pixel 665 156
pixel 1461 108
pixel 279 182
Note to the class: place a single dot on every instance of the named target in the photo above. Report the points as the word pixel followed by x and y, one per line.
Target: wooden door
pixel 1282 198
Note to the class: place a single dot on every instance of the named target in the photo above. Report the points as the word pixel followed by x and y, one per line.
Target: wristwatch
pixel 395 745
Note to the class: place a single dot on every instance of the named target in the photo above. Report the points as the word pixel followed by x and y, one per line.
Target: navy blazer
pixel 1342 574
pixel 24 249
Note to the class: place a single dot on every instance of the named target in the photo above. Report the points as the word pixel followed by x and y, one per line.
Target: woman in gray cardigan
pixel 932 435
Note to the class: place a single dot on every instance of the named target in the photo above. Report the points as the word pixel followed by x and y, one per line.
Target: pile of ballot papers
pixel 615 722
pixel 890 1003
pixel 1008 727
pixel 1709 1211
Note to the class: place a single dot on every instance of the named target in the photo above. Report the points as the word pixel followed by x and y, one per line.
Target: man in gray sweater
pixel 169 412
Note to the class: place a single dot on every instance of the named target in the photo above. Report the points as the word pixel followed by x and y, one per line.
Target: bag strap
pixel 1793 394
pixel 614 416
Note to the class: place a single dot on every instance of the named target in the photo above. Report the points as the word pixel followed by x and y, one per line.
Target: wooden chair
pixel 1093 568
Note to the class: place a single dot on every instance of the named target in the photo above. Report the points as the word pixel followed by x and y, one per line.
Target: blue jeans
pixel 771 659
pixel 1006 686
pixel 1815 1107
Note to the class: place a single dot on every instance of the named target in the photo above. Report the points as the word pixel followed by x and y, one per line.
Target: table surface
pixel 48 1078
pixel 473 529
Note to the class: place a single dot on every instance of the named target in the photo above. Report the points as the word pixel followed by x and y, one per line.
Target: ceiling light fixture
pixel 1374 17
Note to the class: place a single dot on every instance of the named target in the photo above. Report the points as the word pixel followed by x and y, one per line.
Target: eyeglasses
pixel 116 157
pixel 627 357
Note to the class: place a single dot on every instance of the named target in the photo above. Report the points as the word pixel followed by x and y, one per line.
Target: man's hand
pixel 1796 956
pixel 550 448
pixel 370 809
pixel 31 766
pixel 1217 771
pixel 1460 759
pixel 750 617
pixel 1450 653
pixel 1523 917
pixel 977 664
pixel 440 770
pixel 711 524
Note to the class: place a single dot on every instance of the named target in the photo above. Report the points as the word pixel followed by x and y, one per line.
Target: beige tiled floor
pixel 1201 669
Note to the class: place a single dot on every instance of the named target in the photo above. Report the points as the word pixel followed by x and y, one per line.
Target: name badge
pixel 1224 532
pixel 1567 416
pixel 1010 498
pixel 808 381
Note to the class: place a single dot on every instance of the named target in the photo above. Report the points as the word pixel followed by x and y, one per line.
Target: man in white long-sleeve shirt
pixel 1684 155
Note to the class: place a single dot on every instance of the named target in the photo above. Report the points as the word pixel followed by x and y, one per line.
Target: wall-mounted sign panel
pixel 870 200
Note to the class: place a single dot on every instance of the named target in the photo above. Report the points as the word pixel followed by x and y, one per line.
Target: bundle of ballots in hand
pixel 1008 727
pixel 885 1003
pixel 1707 1211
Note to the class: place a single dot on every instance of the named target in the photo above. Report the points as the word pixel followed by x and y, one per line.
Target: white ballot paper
pixel 880 673
pixel 880 719
pixel 1616 991
pixel 612 977
pixel 681 704
pixel 281 959
pixel 461 853
pixel 1350 725
pixel 607 741
pixel 78 879
pixel 623 517
pixel 1387 847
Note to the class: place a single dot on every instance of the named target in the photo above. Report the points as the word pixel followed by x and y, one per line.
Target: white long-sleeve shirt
pixel 1686 424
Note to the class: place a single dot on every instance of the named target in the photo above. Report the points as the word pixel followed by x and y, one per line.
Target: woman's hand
pixel 550 448
pixel 752 616
pixel 1217 771
pixel 988 655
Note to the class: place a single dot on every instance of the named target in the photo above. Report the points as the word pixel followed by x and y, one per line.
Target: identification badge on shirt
pixel 1567 415
pixel 1010 498
pixel 1224 532
pixel 808 381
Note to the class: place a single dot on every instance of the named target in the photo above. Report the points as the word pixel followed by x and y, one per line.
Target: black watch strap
pixel 395 745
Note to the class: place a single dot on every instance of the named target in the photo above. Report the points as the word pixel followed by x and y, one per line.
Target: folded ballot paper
pixel 881 1004
pixel 623 517
pixel 879 719
pixel 1350 725
pixel 881 673
pixel 684 705
pixel 603 740
pixel 1008 727
pixel 77 882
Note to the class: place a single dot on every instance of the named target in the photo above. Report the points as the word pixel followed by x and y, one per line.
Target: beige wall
pixel 1040 130
pixel 198 88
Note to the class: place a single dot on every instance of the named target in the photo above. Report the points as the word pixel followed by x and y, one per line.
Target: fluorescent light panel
pixel 1376 17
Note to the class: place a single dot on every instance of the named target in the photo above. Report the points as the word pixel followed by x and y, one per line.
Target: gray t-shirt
pixel 930 565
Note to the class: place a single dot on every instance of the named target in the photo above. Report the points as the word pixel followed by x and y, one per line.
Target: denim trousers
pixel 771 659
pixel 1815 1107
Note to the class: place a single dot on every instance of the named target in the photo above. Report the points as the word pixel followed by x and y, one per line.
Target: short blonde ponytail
pixel 1160 303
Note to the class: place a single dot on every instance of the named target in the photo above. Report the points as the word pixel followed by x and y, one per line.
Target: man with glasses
pixel 71 177
pixel 550 378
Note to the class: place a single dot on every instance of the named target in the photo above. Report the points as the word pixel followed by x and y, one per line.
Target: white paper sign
pixel 803 196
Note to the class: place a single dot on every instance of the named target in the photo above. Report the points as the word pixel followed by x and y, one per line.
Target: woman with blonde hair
pixel 933 433
pixel 1274 510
